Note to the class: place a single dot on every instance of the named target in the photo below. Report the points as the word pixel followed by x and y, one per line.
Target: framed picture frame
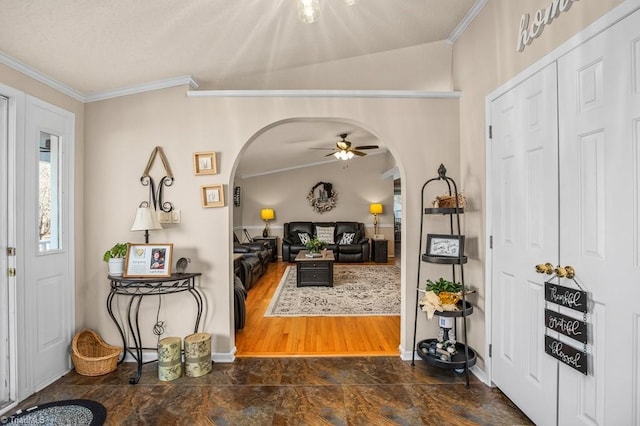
pixel 148 260
pixel 205 163
pixel 445 245
pixel 212 195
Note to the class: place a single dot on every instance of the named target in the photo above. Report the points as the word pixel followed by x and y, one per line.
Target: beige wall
pixel 358 182
pixel 420 134
pixel 19 81
pixel 484 58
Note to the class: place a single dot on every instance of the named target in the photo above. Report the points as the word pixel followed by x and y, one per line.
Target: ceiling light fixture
pixel 343 155
pixel 308 11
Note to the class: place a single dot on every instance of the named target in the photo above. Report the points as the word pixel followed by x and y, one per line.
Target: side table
pixel 379 251
pixel 136 289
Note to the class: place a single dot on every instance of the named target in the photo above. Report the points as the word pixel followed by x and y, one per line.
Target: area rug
pixel 365 290
pixel 70 412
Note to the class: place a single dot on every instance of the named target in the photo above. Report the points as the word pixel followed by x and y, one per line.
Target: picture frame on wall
pixel 205 163
pixel 148 260
pixel 445 245
pixel 212 195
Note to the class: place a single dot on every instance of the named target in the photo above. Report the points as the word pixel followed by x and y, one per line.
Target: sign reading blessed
pixel 576 329
pixel 541 18
pixel 566 354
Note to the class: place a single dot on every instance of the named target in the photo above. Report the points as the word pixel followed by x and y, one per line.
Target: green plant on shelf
pixel 118 250
pixel 443 285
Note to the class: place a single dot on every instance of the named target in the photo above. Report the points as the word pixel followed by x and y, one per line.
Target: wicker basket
pixel 449 201
pixel 91 356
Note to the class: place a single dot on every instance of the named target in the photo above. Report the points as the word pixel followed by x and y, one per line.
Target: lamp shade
pixel 375 208
pixel 267 214
pixel 146 219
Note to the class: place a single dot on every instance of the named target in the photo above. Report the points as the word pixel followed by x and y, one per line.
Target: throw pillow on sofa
pixel 304 237
pixel 325 234
pixel 347 238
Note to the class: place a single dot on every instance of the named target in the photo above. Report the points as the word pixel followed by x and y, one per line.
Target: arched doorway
pixel 303 149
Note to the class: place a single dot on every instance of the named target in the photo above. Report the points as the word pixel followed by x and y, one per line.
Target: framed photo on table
pixel 205 163
pixel 445 245
pixel 212 195
pixel 148 260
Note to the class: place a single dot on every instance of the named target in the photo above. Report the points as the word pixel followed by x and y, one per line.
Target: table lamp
pixel 375 209
pixel 267 215
pixel 146 219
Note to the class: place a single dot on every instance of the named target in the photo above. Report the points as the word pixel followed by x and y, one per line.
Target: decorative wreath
pixel 324 199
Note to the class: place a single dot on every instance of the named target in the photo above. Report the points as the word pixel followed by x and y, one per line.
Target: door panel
pixel 599 209
pixel 5 367
pixel 525 233
pixel 48 275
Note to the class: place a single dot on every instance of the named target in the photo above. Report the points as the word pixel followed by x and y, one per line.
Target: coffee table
pixel 314 271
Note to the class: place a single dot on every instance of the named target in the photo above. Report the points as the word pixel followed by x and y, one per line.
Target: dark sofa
pixel 355 251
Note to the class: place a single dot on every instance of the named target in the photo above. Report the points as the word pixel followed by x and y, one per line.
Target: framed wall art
pixel 148 260
pixel 445 245
pixel 212 195
pixel 205 163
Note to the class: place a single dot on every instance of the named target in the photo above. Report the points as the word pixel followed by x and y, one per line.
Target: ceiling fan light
pixel 343 155
pixel 308 11
pixel 349 155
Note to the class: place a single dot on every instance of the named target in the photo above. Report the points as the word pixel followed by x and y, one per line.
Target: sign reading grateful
pixel 527 33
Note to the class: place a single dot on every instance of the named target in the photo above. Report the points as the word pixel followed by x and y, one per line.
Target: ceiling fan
pixel 344 150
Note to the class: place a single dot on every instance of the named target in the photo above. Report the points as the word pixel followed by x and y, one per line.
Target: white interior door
pixel 47 298
pixel 599 98
pixel 5 361
pixel 525 232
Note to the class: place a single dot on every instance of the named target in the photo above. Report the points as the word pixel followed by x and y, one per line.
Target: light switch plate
pixel 176 216
pixel 164 217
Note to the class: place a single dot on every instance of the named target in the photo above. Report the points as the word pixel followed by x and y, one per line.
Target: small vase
pixel 116 266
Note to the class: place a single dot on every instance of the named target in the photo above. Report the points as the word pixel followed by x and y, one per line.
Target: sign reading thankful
pixel 542 17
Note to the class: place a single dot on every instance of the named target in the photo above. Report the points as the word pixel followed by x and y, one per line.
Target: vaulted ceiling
pixel 94 46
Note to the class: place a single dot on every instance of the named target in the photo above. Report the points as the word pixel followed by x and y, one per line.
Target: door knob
pixel 560 271
pixel 544 268
pixel 566 272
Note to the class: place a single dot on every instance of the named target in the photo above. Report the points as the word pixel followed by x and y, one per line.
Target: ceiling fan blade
pixel 324 149
pixel 330 154
pixel 367 147
pixel 361 154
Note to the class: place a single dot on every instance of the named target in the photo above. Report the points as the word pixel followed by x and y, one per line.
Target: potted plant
pixel 449 292
pixel 115 258
pixel 314 244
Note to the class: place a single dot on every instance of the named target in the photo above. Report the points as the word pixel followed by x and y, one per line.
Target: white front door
pixel 599 98
pixel 5 361
pixel 46 298
pixel 525 232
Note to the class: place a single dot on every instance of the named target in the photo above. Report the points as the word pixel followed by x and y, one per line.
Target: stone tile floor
pixel 292 391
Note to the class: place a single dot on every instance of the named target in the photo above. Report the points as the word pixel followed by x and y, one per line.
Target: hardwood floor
pixel 311 336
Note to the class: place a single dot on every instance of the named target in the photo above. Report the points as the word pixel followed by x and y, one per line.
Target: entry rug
pixel 69 412
pixel 367 290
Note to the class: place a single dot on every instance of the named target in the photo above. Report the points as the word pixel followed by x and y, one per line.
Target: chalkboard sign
pixel 571 327
pixel 564 296
pixel 566 354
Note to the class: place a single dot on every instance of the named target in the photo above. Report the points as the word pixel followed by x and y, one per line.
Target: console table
pixel 136 289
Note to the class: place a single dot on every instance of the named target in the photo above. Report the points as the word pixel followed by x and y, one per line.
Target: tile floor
pixel 292 391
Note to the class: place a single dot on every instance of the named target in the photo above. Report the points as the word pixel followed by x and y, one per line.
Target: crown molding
pixel 41 77
pixel 466 21
pixel 146 87
pixel 322 94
